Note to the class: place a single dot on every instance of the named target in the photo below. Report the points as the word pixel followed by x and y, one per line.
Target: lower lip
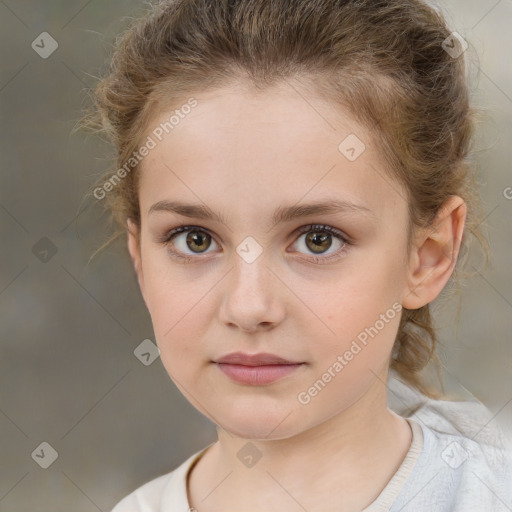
pixel 257 375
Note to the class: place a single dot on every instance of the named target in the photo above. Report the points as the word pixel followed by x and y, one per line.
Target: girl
pixel 294 184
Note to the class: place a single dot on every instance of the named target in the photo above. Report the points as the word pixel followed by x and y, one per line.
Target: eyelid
pixel 326 228
pixel 322 258
pixel 170 233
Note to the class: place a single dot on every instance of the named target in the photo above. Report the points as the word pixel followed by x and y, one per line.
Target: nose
pixel 252 297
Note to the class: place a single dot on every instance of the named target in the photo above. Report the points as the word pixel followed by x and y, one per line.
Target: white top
pixel 445 470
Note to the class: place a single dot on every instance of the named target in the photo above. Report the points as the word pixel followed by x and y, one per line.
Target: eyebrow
pixel 282 214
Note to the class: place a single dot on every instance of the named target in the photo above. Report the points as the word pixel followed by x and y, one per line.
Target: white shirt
pixel 444 470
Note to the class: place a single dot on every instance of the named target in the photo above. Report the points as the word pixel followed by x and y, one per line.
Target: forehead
pixel 244 149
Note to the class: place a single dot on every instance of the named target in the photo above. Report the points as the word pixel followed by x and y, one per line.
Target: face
pixel 323 289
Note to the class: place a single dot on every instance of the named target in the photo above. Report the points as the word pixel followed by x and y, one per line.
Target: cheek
pixel 347 362
pixel 361 315
pixel 175 307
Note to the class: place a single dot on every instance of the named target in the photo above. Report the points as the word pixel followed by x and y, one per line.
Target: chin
pixel 259 424
pixel 256 432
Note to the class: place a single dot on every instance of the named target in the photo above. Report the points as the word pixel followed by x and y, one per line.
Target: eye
pixel 186 238
pixel 319 239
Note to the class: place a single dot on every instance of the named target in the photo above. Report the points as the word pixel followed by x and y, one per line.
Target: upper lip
pixel 253 359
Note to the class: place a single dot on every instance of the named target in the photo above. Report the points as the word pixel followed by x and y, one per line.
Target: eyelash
pixel 321 228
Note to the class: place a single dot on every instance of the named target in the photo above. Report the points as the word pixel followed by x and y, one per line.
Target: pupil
pixel 318 240
pixel 193 237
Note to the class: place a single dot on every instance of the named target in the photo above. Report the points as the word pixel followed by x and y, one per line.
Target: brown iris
pixel 198 238
pixel 317 241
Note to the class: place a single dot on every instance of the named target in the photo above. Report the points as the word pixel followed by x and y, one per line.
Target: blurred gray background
pixel 68 330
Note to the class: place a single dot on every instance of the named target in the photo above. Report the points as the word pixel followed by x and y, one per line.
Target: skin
pixel 245 154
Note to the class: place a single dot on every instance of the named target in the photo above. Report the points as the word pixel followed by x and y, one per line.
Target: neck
pixel 333 458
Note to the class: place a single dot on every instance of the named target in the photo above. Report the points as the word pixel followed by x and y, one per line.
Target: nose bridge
pixel 251 297
pixel 250 274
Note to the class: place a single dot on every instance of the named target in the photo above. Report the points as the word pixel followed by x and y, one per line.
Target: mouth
pixel 257 375
pixel 261 359
pixel 256 369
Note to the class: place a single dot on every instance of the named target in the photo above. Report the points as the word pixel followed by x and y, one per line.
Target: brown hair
pixel 385 61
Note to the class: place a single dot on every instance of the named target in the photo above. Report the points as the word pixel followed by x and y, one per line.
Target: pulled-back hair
pixel 384 61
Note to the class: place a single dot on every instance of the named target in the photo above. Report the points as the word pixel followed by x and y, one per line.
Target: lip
pixel 257 375
pixel 256 369
pixel 261 359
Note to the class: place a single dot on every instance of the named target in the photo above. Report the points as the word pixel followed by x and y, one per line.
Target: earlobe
pixel 434 254
pixel 133 239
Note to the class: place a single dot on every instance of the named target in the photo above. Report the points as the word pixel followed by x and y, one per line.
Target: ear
pixel 434 254
pixel 133 234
